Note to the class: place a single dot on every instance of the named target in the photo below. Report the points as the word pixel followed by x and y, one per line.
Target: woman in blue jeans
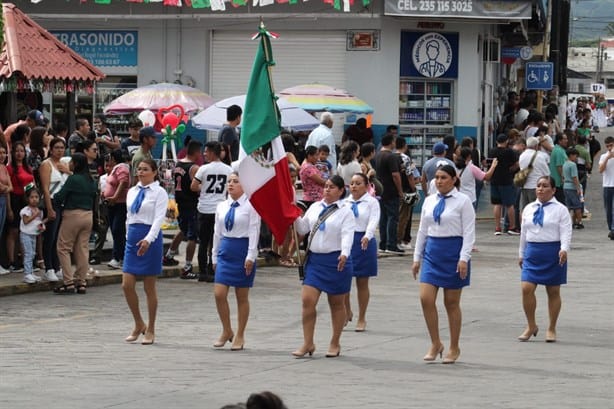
pixel 114 194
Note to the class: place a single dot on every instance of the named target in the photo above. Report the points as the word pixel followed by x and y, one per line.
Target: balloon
pixel 147 117
pixel 171 120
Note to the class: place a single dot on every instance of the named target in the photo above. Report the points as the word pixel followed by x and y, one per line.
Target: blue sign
pixel 429 54
pixel 103 48
pixel 510 52
pixel 538 75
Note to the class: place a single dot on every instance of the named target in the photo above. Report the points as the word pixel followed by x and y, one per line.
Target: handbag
pixel 316 226
pixel 520 178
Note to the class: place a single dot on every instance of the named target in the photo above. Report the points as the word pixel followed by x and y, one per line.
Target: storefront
pixel 430 71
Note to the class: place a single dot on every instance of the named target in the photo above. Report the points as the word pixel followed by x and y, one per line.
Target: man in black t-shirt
pixel 388 171
pixel 228 135
pixel 502 190
pixel 186 200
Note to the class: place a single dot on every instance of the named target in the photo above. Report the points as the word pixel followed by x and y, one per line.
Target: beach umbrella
pixel 320 97
pixel 156 96
pixel 292 117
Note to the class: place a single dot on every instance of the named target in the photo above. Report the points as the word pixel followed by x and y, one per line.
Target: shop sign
pixel 500 9
pixel 539 75
pixel 431 55
pixel 101 47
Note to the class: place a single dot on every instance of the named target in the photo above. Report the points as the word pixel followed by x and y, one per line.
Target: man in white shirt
pixel 210 180
pixel 323 135
pixel 606 168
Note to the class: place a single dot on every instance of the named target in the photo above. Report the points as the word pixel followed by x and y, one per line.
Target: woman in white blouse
pixel 146 203
pixel 366 211
pixel 544 243
pixel 234 252
pixel 443 250
pixel 331 226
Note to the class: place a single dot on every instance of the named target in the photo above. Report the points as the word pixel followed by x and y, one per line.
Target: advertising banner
pixel 103 48
pixel 480 9
pixel 431 55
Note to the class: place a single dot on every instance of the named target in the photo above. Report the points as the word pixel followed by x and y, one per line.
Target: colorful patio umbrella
pixel 292 117
pixel 320 97
pixel 156 96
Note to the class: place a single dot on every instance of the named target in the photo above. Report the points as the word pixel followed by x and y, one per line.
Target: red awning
pixel 31 53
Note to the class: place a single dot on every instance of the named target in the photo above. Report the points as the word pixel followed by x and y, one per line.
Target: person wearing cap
pixel 33 119
pixel 431 165
pixel 147 136
pixel 502 191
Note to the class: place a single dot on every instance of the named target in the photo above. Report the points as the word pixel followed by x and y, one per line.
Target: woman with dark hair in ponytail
pixel 330 223
pixel 442 257
pixel 146 203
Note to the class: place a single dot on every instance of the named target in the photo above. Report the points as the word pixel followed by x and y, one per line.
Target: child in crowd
pixel 573 188
pixel 31 225
pixel 323 165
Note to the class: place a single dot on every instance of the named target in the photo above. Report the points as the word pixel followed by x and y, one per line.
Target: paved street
pixel 68 351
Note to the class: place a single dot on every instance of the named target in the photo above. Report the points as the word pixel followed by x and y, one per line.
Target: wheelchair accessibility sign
pixel 538 75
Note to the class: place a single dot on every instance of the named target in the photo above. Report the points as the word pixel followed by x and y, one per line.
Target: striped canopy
pixel 320 97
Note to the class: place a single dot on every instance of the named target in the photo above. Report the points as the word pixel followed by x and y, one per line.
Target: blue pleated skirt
pixel 321 273
pixel 364 262
pixel 230 268
pixel 150 263
pixel 540 264
pixel 441 256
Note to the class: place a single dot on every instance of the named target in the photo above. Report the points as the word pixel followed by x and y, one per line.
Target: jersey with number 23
pixel 213 178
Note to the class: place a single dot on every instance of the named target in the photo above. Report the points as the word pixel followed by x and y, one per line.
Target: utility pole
pixel 546 51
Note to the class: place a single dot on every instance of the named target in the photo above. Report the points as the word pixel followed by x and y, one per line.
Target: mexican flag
pixel 263 171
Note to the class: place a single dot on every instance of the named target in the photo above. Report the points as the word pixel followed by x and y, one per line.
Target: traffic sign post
pixel 538 75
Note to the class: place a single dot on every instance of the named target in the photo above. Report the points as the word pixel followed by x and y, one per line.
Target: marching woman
pixel 443 250
pixel 366 211
pixel 146 203
pixel 234 253
pixel 330 223
pixel 544 243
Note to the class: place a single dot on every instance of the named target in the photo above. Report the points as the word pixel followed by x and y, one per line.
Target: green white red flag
pixel 264 173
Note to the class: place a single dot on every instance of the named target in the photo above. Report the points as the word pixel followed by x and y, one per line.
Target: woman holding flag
pixel 330 223
pixel 234 253
pixel 442 254
pixel 544 243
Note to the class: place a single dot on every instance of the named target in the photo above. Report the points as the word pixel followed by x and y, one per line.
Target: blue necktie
pixel 538 216
pixel 440 207
pixel 355 208
pixel 138 201
pixel 325 208
pixel 229 220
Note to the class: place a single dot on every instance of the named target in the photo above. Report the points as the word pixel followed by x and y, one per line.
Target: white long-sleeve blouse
pixel 457 220
pixel 338 233
pixel 557 226
pixel 246 224
pixel 368 214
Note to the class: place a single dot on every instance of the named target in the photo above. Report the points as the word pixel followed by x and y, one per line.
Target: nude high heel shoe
pixel 526 335
pixel 430 358
pixel 300 353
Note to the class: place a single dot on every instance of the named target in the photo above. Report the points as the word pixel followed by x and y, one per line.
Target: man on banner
pixel 264 178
